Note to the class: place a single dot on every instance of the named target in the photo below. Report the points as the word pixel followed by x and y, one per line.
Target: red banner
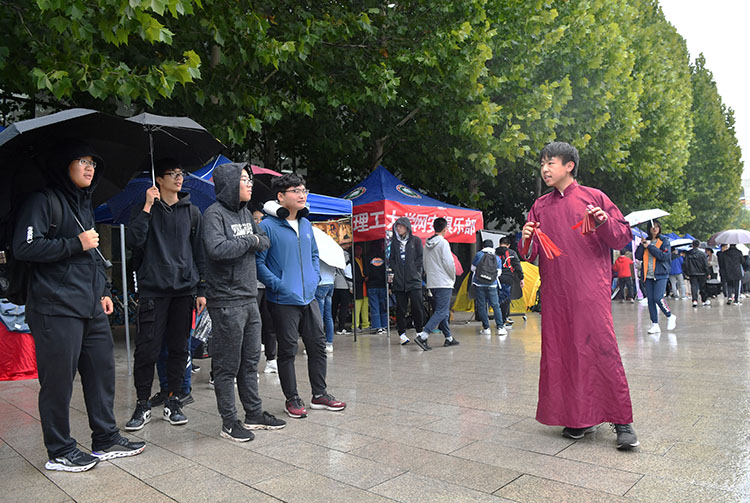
pixel 372 220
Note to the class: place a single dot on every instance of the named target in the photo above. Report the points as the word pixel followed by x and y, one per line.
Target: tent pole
pixel 387 291
pixel 125 296
pixel 354 291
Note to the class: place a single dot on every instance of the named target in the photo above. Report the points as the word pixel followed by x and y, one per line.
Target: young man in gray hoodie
pixel 231 238
pixel 441 276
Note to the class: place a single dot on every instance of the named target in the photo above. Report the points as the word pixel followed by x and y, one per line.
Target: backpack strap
pixel 193 221
pixel 56 211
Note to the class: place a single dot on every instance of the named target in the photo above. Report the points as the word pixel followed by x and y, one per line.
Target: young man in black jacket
pixel 405 260
pixel 232 238
pixel 164 232
pixel 66 309
pixel 696 268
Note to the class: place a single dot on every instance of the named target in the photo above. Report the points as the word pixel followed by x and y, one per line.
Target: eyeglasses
pixel 85 163
pixel 175 174
pixel 298 192
pixel 247 181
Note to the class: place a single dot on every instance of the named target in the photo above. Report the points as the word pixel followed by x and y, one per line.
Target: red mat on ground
pixel 17 355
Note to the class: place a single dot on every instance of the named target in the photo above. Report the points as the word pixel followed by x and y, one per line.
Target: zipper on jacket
pixel 301 267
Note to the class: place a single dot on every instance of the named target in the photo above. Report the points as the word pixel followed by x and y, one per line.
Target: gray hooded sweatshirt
pixel 231 238
pixel 438 263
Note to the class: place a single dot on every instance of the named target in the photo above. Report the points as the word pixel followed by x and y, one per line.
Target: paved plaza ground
pixel 452 424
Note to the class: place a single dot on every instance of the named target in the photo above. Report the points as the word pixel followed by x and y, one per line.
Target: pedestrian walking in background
pixel 486 266
pixel 342 297
pixel 697 269
pixel 578 339
pixel 405 261
pixel 324 296
pixel 623 268
pixel 655 252
pixel 510 280
pixel 713 264
pixel 376 288
pixel 361 301
pixel 267 333
pixel 441 277
pixel 733 268
pixel 676 277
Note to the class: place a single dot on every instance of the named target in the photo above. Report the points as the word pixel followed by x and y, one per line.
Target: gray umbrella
pixel 730 237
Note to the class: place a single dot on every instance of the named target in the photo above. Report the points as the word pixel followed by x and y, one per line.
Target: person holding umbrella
pixel 655 252
pixel 67 307
pixel 733 267
pixel 164 234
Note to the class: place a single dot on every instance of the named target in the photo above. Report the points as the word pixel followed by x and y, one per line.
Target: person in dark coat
pixel 696 268
pixel 733 269
pixel 723 270
pixel 405 261
pixel 66 309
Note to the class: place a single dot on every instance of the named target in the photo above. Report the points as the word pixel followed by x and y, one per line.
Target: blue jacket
pixel 290 268
pixel 661 256
pixel 676 267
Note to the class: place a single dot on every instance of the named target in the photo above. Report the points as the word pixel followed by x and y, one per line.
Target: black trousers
pixel 267 333
pixel 340 307
pixel 161 320
pixel 417 313
pixel 64 345
pixel 290 322
pixel 698 285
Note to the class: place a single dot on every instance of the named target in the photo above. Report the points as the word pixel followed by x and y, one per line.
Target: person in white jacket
pixel 441 276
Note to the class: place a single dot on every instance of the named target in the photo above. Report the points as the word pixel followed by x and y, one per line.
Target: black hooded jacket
pixel 65 280
pixel 231 239
pixel 407 274
pixel 168 243
pixel 696 263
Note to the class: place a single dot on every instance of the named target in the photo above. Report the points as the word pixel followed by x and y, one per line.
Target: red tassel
pixel 549 248
pixel 587 224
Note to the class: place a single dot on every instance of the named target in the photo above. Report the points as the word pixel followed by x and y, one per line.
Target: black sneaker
pixel 578 433
pixel 422 343
pixel 141 416
pixel 74 461
pixel 184 398
pixel 173 411
pixel 263 421
pixel 211 379
pixel 194 369
pixel 159 398
pixel 120 449
pixel 626 438
pixel 451 342
pixel 237 432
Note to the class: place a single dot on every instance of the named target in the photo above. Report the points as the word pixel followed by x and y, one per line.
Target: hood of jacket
pixel 433 241
pixel 274 209
pixel 227 184
pixel 406 223
pixel 60 177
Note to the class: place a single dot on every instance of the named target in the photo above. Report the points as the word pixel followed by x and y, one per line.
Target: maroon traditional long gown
pixel 581 378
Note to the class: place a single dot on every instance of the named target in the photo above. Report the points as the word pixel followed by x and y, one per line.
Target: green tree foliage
pixel 713 174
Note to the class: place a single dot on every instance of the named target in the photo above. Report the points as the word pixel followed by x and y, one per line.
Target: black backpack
pixel 486 270
pixel 16 274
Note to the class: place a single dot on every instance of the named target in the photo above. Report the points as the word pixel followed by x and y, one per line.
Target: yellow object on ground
pixel 531 282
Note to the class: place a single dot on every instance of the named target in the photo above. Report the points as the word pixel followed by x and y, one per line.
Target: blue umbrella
pixel 202 194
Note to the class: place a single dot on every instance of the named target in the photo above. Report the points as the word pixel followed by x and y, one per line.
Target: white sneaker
pixel 707 303
pixel 655 329
pixel 672 322
pixel 643 301
pixel 329 348
pixel 485 331
pixel 502 331
pixel 404 339
pixel 271 367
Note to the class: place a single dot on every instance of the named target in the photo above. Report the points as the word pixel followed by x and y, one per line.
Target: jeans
pixel 324 295
pixel 676 280
pixel 378 310
pixel 290 322
pixel 441 316
pixel 655 289
pixel 487 294
pixel 623 284
pixel 503 300
pixel 235 334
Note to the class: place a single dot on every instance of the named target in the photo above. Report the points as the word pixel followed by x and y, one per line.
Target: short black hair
pixel 487 243
pixel 506 240
pixel 439 224
pixel 565 151
pixel 165 164
pixel 286 181
pixel 650 225
pixel 696 243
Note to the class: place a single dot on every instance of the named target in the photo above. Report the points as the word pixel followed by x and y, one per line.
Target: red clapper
pixel 549 248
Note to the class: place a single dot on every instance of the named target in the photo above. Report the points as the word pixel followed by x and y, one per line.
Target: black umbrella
pixel 25 145
pixel 180 138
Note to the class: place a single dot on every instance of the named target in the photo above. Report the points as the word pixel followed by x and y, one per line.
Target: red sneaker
pixel 327 402
pixel 295 407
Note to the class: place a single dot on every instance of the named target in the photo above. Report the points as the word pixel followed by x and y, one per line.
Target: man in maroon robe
pixel 582 382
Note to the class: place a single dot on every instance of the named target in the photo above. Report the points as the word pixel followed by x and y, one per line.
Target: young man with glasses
pixel 290 269
pixel 232 239
pixel 67 307
pixel 164 235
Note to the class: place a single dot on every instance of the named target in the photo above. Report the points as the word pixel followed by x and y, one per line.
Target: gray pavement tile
pixel 416 437
pixel 327 436
pixel 412 488
pixel 303 486
pixel 152 462
pixel 531 489
pixel 651 488
pixel 201 484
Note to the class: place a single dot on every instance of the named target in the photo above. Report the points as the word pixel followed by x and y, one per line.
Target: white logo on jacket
pixel 245 229
pixel 29 234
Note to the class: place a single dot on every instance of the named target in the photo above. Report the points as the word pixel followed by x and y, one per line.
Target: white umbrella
pixel 680 242
pixel 329 250
pixel 640 216
pixel 731 237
